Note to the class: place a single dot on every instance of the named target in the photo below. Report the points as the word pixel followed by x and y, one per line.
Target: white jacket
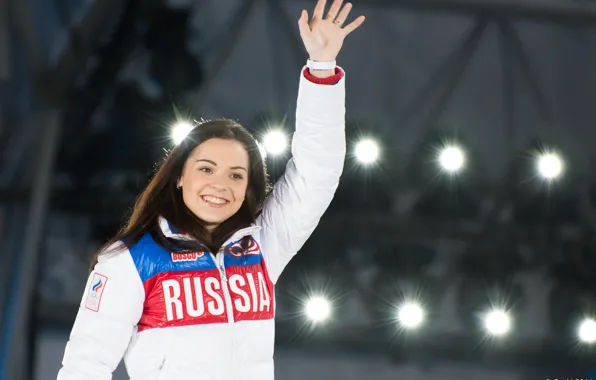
pixel 205 317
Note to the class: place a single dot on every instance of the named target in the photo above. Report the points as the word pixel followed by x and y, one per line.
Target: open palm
pixel 323 37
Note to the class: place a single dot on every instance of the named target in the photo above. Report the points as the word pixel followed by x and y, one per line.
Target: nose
pixel 218 183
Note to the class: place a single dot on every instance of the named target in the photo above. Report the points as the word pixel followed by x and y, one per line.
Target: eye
pixel 237 176
pixel 206 170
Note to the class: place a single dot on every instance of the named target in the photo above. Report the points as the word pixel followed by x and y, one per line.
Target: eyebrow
pixel 215 164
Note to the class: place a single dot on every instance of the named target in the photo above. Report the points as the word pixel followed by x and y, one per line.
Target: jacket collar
pixel 171 231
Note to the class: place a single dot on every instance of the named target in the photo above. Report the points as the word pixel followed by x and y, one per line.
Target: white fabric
pixel 214 351
pixel 319 65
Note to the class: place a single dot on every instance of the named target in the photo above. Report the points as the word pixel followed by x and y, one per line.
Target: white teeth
pixel 215 200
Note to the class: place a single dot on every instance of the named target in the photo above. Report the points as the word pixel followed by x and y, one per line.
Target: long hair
pixel 161 197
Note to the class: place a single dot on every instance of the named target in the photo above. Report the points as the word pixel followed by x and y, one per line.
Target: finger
pixel 303 24
pixel 319 9
pixel 353 25
pixel 343 15
pixel 334 10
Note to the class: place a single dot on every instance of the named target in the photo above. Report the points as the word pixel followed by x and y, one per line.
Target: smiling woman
pixel 187 289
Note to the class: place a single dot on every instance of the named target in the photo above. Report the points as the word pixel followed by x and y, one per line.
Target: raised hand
pixel 323 36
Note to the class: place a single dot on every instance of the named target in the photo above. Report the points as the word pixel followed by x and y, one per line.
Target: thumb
pixel 303 24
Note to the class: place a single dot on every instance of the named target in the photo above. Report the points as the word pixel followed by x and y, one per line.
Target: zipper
pixel 219 262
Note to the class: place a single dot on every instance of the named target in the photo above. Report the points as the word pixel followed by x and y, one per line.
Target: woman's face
pixel 214 180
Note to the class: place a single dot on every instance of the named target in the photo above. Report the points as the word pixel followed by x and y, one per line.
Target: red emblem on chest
pixel 182 298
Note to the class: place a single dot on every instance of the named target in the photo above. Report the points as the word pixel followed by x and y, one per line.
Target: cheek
pixel 240 191
pixel 195 181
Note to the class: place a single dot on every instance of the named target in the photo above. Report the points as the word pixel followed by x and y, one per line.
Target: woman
pixel 185 290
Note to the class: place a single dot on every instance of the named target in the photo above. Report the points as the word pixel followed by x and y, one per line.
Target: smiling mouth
pixel 214 201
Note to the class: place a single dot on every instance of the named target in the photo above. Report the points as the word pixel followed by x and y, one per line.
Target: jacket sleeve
pixel 107 317
pixel 302 195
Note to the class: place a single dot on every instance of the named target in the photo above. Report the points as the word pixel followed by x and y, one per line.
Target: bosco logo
pixel 186 256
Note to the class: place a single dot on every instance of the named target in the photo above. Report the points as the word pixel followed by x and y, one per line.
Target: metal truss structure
pixel 31 129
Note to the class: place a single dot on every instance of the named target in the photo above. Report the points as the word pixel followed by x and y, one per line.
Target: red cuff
pixel 334 79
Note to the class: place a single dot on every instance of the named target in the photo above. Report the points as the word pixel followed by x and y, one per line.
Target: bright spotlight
pixel 452 159
pixel 180 130
pixel 410 315
pixel 587 331
pixel 367 151
pixel 550 165
pixel 275 142
pixel 318 309
pixel 497 322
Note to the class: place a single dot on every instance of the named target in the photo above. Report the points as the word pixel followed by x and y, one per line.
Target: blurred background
pixel 461 242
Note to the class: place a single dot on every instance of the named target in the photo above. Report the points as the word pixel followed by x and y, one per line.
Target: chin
pixel 213 217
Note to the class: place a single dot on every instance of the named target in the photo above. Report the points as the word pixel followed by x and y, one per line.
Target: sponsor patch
pixel 98 284
pixel 187 256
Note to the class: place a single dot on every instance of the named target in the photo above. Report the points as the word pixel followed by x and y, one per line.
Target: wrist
pixel 321 59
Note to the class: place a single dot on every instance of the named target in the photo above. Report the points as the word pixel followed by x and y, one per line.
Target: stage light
pixel 410 315
pixel 587 331
pixel 318 309
pixel 497 322
pixel 180 130
pixel 366 151
pixel 452 159
pixel 549 165
pixel 275 142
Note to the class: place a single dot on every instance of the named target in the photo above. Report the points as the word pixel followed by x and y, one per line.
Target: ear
pixel 179 183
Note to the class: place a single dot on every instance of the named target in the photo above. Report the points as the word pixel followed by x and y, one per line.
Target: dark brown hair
pixel 162 198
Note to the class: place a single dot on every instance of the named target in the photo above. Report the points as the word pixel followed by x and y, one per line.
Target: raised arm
pixel 109 311
pixel 302 195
